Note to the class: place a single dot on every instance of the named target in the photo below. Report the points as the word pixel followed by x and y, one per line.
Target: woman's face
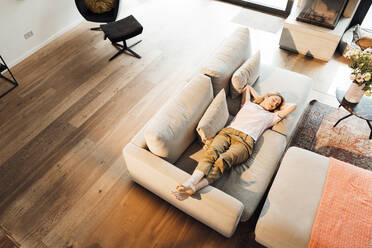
pixel 271 102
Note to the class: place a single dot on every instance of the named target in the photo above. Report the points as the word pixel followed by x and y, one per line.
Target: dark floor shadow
pixel 346 156
pixel 95 245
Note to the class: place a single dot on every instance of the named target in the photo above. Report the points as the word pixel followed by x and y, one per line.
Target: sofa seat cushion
pixel 246 182
pixel 172 129
pixel 294 87
pixel 287 217
pixel 226 60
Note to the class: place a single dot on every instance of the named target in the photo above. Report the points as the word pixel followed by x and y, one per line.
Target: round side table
pixel 363 109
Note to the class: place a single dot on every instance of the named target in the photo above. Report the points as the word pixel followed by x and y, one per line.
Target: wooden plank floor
pixel 63 181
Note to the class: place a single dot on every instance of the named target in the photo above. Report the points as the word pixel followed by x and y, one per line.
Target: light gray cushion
pixel 247 73
pixel 214 119
pixel 172 129
pixel 246 182
pixel 287 217
pixel 294 87
pixel 229 56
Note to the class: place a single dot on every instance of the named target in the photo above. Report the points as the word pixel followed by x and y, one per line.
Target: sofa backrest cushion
pixel 229 56
pixel 172 129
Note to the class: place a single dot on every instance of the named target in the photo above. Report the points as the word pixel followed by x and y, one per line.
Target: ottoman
pixel 288 214
pixel 121 31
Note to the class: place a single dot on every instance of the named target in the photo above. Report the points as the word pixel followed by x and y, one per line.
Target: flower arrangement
pixel 361 63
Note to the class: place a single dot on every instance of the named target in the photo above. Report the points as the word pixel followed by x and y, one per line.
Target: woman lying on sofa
pixel 234 144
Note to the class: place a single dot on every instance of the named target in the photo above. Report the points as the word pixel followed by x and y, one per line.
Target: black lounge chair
pixel 99 18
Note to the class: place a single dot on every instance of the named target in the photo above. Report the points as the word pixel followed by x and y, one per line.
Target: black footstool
pixel 120 31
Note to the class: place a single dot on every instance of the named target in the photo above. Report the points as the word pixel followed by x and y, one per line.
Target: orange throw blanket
pixel 344 216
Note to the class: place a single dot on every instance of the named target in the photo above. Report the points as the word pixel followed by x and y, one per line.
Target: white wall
pixel 367 22
pixel 46 18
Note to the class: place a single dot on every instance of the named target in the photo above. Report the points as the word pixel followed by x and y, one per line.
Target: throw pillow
pixel 100 6
pixel 214 118
pixel 227 58
pixel 247 73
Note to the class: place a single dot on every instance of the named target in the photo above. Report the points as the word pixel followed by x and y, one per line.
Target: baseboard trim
pixel 46 42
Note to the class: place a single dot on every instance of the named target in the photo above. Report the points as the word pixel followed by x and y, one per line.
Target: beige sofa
pixel 171 135
pixel 287 217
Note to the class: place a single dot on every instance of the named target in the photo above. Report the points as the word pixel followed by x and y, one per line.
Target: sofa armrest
pixel 216 209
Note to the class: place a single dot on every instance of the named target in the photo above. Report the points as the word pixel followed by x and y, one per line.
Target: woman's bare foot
pixel 189 186
pixel 180 196
pixel 185 189
pixel 182 192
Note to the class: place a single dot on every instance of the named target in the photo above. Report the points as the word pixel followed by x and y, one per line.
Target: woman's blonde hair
pixel 261 99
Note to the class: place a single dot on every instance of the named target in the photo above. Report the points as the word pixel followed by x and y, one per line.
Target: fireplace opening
pixel 324 13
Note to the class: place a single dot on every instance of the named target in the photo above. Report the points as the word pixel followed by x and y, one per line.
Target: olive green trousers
pixel 228 148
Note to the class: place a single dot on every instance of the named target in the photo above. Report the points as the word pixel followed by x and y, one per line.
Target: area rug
pixel 348 141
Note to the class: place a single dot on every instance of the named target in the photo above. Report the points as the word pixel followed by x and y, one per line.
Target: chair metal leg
pixel 370 127
pixel 7 79
pixel 134 44
pixel 343 118
pixel 14 82
pixel 123 48
pixel 5 93
pixel 117 54
pixel 133 53
pixel 118 45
